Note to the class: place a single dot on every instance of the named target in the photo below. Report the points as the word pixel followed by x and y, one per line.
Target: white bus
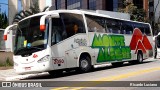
pixel 58 40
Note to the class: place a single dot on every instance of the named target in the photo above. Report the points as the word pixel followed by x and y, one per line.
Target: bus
pixel 156 39
pixel 59 40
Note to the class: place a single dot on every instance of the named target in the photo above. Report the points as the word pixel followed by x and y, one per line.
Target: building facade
pixel 26 4
pixel 109 5
pixel 14 5
pixel 12 10
pixel 154 15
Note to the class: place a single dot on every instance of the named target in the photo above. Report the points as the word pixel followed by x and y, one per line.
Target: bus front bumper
pixel 33 68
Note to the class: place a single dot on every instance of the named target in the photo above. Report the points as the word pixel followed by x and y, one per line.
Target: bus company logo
pixel 140 42
pixel 81 42
pixel 111 47
pixel 35 56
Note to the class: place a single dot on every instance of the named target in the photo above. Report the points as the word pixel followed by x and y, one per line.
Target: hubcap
pixel 84 63
pixel 140 58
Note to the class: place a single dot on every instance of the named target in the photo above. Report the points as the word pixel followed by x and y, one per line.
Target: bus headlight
pixel 44 59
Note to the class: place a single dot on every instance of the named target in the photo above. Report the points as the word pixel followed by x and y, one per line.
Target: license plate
pixel 27 68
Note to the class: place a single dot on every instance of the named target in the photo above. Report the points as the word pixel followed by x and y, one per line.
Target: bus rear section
pixel 116 41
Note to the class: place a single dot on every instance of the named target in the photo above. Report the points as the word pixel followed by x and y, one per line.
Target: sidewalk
pixel 7 73
pixel 10 75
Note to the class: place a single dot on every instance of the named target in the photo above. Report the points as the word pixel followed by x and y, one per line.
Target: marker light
pixel 5 37
pixel 42 27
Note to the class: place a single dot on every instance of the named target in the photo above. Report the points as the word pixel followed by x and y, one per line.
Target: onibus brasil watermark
pixel 21 84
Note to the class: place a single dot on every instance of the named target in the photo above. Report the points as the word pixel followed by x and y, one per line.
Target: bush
pixel 6 63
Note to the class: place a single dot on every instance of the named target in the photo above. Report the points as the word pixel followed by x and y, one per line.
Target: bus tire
pixel 85 64
pixel 139 57
pixel 117 64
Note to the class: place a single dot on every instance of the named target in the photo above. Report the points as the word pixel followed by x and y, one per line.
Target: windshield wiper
pixel 25 50
pixel 35 48
pixel 20 49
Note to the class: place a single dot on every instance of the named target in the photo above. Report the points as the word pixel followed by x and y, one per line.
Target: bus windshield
pixel 29 38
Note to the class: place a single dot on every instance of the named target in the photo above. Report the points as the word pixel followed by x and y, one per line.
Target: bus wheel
pixel 117 64
pixel 139 57
pixel 85 64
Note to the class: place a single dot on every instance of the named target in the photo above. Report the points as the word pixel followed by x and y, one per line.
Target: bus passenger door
pixel 57 51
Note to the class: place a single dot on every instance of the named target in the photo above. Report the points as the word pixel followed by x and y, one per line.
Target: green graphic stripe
pixel 111 47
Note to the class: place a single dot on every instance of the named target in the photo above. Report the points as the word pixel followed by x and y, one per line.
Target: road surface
pixel 124 77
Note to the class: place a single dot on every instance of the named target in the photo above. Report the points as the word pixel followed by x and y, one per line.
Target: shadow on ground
pixel 74 72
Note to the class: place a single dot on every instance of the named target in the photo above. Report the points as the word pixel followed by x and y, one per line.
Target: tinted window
pixel 95 23
pixel 66 26
pixel 140 26
pixel 73 23
pixel 110 25
pixel 127 27
pixel 145 29
pixel 58 32
pixel 113 25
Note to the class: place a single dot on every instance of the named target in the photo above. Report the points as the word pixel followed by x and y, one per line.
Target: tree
pixel 136 14
pixel 139 15
pixel 35 8
pixel 3 20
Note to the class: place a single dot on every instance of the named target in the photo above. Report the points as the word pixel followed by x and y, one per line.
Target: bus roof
pixel 79 12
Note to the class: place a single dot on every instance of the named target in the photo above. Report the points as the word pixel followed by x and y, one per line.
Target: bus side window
pixel 127 27
pixel 113 25
pixel 73 23
pixel 57 31
pixel 95 24
pixel 147 30
pixel 123 27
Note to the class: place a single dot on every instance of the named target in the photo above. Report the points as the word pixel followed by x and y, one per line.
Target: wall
pixel 5 55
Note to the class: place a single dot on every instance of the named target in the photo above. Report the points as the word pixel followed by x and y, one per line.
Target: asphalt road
pixel 128 76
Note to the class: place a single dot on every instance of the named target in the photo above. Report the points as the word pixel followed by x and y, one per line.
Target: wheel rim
pixel 84 63
pixel 140 58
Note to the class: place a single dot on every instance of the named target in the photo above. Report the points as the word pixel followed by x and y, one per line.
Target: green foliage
pixel 35 8
pixel 7 63
pixel 136 14
pixel 3 20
